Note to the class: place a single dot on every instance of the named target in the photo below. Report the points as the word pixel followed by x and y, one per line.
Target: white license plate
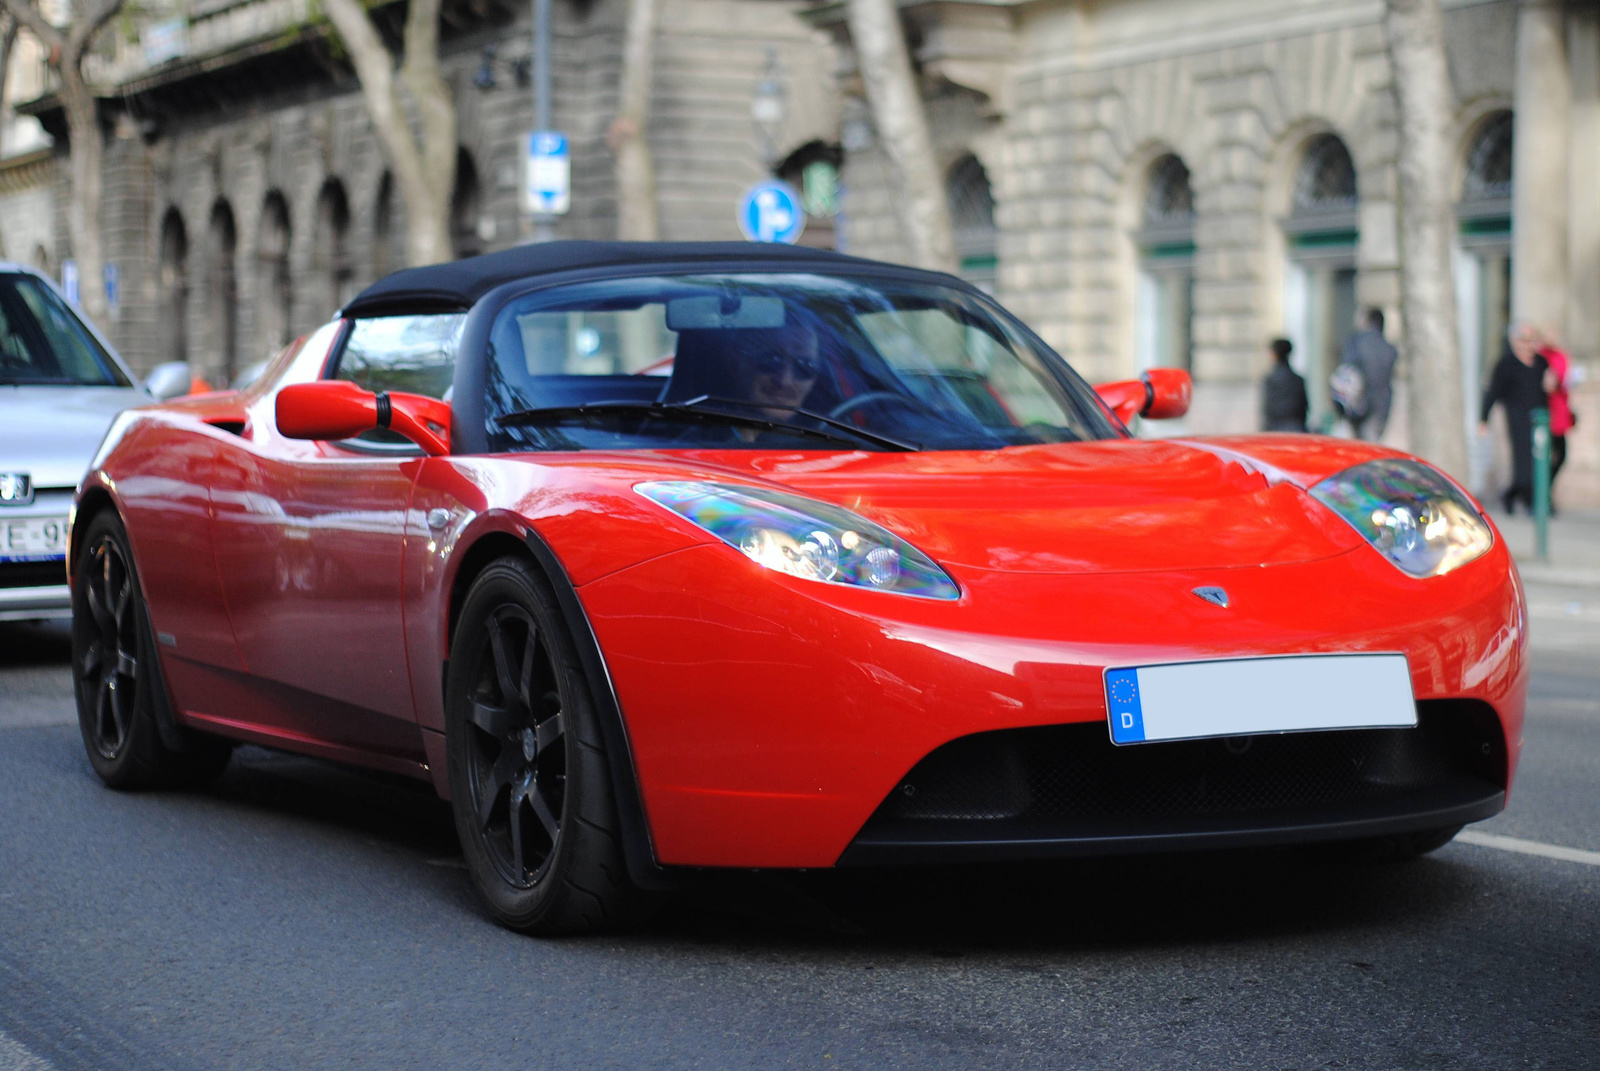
pixel 1245 696
pixel 35 539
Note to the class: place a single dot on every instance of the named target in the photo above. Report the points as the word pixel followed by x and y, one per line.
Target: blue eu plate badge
pixel 1122 693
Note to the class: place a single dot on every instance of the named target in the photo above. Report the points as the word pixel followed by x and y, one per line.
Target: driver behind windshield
pixel 777 367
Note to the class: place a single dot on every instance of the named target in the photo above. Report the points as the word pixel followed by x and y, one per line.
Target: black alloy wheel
pixel 530 783
pixel 518 763
pixel 109 668
pixel 129 731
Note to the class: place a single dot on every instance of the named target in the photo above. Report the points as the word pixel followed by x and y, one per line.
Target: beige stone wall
pixel 1093 93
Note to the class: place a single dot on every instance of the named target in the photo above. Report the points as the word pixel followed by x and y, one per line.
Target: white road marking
pixel 14 1056
pixel 1529 847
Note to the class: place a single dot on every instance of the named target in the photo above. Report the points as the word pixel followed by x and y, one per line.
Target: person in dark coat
pixel 1517 385
pixel 1370 352
pixel 1283 394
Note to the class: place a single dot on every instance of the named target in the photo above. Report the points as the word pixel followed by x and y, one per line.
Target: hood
pixel 1116 506
pixel 51 433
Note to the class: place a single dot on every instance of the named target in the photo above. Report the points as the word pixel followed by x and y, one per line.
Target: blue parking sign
pixel 771 212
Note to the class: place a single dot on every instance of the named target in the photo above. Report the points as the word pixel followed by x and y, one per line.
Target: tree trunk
pixel 637 216
pixel 423 160
pixel 83 139
pixel 7 42
pixel 83 214
pixel 1427 284
pixel 902 123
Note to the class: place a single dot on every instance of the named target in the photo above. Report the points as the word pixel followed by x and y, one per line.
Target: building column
pixel 1583 206
pixel 1539 283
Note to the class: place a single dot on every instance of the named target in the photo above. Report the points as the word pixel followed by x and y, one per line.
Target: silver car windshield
pixel 42 341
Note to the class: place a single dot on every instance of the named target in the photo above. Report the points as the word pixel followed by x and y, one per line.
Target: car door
pixel 310 538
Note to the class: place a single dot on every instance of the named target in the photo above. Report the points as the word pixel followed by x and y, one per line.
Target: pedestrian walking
pixel 1517 385
pixel 1363 383
pixel 1283 392
pixel 1562 417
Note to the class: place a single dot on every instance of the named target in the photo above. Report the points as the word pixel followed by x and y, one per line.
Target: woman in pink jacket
pixel 1561 418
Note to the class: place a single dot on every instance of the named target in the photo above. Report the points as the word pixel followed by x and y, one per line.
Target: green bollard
pixel 1541 483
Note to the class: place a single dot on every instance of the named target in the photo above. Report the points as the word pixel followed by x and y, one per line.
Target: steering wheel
pixel 861 401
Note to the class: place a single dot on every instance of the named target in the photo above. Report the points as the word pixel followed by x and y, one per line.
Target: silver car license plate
pixel 34 539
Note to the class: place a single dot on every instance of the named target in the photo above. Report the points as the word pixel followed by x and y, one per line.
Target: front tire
pixel 121 696
pixel 530 785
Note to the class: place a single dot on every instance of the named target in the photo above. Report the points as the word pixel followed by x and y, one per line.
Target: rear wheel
pixel 117 678
pixel 529 781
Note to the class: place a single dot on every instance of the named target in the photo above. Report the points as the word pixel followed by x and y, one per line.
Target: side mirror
pixel 332 409
pixel 168 381
pixel 1158 394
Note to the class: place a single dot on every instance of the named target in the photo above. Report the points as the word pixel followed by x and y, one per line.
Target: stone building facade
pixel 1178 181
pixel 247 196
pixel 1146 182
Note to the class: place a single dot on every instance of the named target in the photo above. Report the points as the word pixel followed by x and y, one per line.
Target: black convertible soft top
pixel 455 286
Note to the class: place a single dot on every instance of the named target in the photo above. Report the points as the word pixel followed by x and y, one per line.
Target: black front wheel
pixel 117 678
pixel 529 782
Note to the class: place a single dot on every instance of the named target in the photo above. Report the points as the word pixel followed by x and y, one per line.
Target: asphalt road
pixel 303 915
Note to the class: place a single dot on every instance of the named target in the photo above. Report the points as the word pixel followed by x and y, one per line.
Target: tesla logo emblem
pixel 15 489
pixel 1215 596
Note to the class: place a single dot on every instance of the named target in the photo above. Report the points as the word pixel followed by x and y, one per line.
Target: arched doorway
pixel 465 209
pixel 330 254
pixel 972 217
pixel 272 254
pixel 1321 234
pixel 172 283
pixel 222 302
pixel 1164 308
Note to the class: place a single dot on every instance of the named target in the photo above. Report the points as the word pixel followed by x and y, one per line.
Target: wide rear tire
pixel 530 784
pixel 121 697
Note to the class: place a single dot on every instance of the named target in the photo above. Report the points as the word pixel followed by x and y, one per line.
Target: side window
pixel 414 354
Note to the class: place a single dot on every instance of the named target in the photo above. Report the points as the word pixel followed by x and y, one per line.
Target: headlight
pixel 804 538
pixel 1412 514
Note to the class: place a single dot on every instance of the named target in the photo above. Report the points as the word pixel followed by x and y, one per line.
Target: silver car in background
pixel 60 386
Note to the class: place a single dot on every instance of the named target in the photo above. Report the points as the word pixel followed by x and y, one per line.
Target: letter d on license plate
pixel 1245 696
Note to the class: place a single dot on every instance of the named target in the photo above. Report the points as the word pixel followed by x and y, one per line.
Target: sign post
pixel 771 212
pixel 1541 483
pixel 547 174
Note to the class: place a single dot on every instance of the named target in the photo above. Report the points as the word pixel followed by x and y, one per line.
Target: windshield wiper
pixel 694 409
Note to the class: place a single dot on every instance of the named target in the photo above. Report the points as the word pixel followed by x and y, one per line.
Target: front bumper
pixel 52 601
pixel 771 719
pixel 1067 790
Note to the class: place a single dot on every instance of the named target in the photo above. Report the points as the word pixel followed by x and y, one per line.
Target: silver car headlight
pixel 804 538
pixel 1411 513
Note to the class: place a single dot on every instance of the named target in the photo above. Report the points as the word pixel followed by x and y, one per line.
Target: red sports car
pixel 660 557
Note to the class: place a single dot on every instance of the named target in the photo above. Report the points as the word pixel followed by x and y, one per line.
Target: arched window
pixel 1321 235
pixel 465 208
pixel 1326 180
pixel 222 303
pixel 972 216
pixel 1165 240
pixel 384 260
pixel 172 280
pixel 272 252
pixel 1489 161
pixel 330 255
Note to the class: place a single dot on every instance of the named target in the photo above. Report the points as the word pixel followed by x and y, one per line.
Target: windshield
pixel 797 357
pixel 42 341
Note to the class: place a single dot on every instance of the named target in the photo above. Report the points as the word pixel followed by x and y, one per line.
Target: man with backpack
pixel 1363 384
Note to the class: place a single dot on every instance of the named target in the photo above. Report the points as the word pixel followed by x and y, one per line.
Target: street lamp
pixel 769 107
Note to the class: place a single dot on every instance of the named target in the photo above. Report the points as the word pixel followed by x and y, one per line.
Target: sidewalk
pixel 1574 548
